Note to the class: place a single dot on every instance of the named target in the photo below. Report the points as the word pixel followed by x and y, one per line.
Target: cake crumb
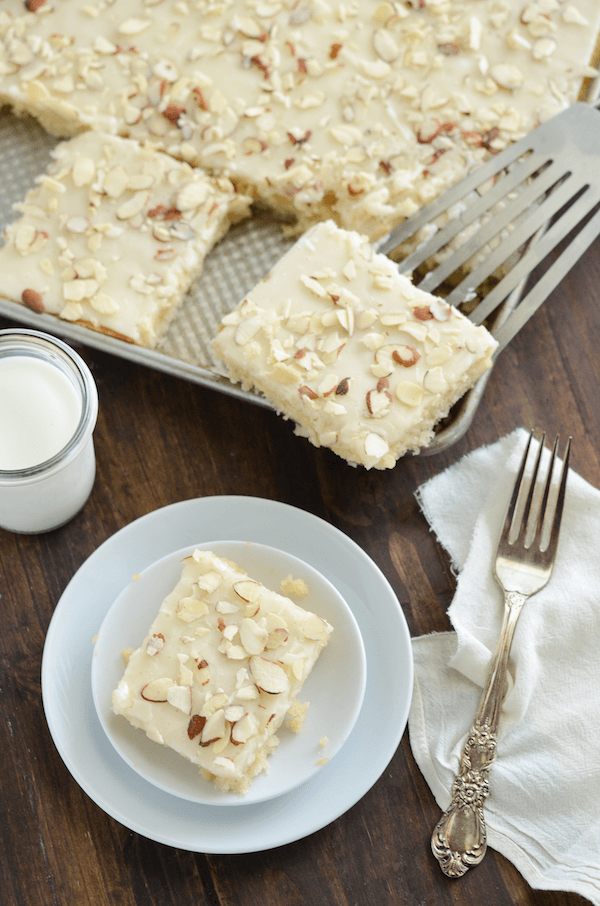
pixel 296 715
pixel 296 587
pixel 126 654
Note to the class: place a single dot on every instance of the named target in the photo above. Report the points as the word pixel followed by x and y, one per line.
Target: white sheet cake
pixel 339 341
pixel 358 111
pixel 220 670
pixel 113 235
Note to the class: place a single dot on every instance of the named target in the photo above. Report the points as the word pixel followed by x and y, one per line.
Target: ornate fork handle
pixel 460 838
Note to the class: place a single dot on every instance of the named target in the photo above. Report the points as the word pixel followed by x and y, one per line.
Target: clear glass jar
pixel 39 496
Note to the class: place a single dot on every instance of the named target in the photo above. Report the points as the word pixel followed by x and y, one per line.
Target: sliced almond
pixel 248 590
pixel 180 697
pixel 33 300
pixel 435 381
pixel 375 445
pixel 214 703
pixel 191 196
pixel 233 713
pixel 196 725
pixel 226 607
pixel 243 729
pixel 214 728
pixel 247 693
pixel 440 355
pixel 409 393
pixel 203 677
pixel 190 609
pixel 116 181
pixel 155 644
pixel 156 690
pixel 209 582
pixel 134 205
pixel 385 46
pixel 276 638
pixel 268 676
pixel 406 356
pixel 299 668
pixel 440 310
pixel 235 652
pixel 316 628
pixel 84 170
pixel 253 637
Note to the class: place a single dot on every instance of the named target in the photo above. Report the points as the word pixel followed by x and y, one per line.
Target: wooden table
pixel 160 440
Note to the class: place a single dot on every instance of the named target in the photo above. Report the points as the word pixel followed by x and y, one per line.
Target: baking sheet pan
pixel 239 261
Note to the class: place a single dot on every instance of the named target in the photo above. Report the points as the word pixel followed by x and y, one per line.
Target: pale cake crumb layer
pixel 220 669
pixel 339 341
pixel 361 111
pixel 113 235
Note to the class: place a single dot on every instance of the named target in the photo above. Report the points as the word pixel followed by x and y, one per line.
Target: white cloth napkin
pixel 543 811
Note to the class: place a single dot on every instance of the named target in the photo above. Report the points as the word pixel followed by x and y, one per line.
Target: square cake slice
pixel 339 341
pixel 113 234
pixel 220 669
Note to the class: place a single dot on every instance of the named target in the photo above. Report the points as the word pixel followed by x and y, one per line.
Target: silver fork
pixel 524 560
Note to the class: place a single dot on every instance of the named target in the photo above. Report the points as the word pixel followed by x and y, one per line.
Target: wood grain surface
pixel 160 440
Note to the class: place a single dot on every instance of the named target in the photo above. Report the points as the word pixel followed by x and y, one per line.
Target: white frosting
pixel 363 361
pixel 226 657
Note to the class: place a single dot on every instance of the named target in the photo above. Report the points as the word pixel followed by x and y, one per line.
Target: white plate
pixel 335 688
pixel 135 803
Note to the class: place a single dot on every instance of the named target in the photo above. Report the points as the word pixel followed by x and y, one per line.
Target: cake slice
pixel 113 234
pixel 339 341
pixel 220 669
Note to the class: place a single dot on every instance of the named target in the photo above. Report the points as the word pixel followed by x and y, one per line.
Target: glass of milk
pixel 48 411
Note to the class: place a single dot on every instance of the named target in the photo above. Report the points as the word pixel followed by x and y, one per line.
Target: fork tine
pixel 507 529
pixel 540 522
pixel 550 549
pixel 538 517
pixel 525 511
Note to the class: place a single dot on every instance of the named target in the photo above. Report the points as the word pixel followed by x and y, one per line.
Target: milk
pixel 48 410
pixel 39 411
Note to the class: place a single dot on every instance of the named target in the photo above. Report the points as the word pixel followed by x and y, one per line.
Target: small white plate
pixel 335 688
pixel 143 808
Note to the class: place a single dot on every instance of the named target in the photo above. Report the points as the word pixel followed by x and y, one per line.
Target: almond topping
pixel 33 300
pixel 248 590
pixel 406 356
pixel 423 313
pixel 196 725
pixel 268 676
pixel 155 644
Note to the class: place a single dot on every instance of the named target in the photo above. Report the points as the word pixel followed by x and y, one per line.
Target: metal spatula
pixel 541 192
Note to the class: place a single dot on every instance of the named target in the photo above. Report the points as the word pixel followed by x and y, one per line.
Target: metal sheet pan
pixel 239 261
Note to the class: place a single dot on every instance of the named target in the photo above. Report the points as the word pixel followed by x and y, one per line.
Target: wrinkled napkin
pixel 543 811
